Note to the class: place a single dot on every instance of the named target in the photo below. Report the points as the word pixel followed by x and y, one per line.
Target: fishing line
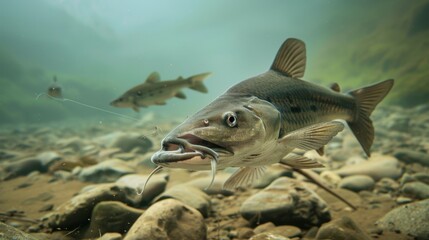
pixel 86 105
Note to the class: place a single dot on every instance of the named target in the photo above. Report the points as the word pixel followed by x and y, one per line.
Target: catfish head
pixel 221 134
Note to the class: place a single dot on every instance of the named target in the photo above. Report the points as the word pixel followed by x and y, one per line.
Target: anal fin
pixel 243 177
pixel 297 161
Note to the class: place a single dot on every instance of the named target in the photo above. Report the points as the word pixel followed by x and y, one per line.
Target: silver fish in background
pixel 156 92
pixel 259 121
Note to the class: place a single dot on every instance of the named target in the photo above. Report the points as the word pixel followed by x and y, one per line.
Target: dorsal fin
pixel 291 58
pixel 153 78
pixel 335 87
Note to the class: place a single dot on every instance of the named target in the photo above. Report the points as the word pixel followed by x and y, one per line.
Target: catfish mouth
pixel 186 147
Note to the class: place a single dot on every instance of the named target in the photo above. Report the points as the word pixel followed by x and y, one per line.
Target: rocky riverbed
pixel 84 182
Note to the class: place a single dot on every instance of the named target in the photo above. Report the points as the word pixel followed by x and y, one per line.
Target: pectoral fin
pixel 312 137
pixel 243 177
pixel 297 161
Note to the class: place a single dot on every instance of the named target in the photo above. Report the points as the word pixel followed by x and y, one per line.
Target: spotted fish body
pixel 300 103
pixel 156 92
pixel 261 120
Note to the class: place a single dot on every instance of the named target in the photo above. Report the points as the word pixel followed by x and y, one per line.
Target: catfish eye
pixel 139 93
pixel 230 119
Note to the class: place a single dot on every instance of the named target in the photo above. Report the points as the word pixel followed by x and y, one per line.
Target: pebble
pixel 386 185
pixel 169 219
pixel 264 227
pixel 286 201
pixel 77 210
pixel 106 171
pixel 47 158
pixel 128 142
pixel 110 236
pixel 357 183
pixel 23 167
pixel 412 156
pixel 410 219
pixel 342 228
pixel 286 231
pixel 417 190
pixel 245 232
pixel 422 177
pixel 403 200
pixel 268 236
pixel 189 195
pixel 377 167
pixel 111 216
pixel 9 232
pixel 331 177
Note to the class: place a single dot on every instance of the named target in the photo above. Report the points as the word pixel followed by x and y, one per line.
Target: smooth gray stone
pixel 268 236
pixel 417 190
pixel 169 219
pixel 110 236
pixel 78 209
pixel 357 183
pixel 9 232
pixel 23 167
pixel 111 216
pixel 189 195
pixel 132 141
pixel 286 201
pixel 412 156
pixel 411 219
pixel 377 167
pixel 386 185
pixel 342 228
pixel 106 171
pixel 49 157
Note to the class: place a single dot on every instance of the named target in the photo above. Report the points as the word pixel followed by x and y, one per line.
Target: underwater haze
pixel 116 121
pixel 100 49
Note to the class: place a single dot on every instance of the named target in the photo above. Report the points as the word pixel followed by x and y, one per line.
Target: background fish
pixel 261 120
pixel 156 92
pixel 55 90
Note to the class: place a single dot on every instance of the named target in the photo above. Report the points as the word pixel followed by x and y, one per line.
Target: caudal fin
pixel 367 99
pixel 197 82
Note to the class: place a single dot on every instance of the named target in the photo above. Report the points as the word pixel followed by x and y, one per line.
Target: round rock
pixel 111 216
pixel 107 171
pixel 417 190
pixel 169 219
pixel 342 228
pixel 357 183
pixel 378 167
pixel 286 201
pixel 411 219
pixel 189 195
